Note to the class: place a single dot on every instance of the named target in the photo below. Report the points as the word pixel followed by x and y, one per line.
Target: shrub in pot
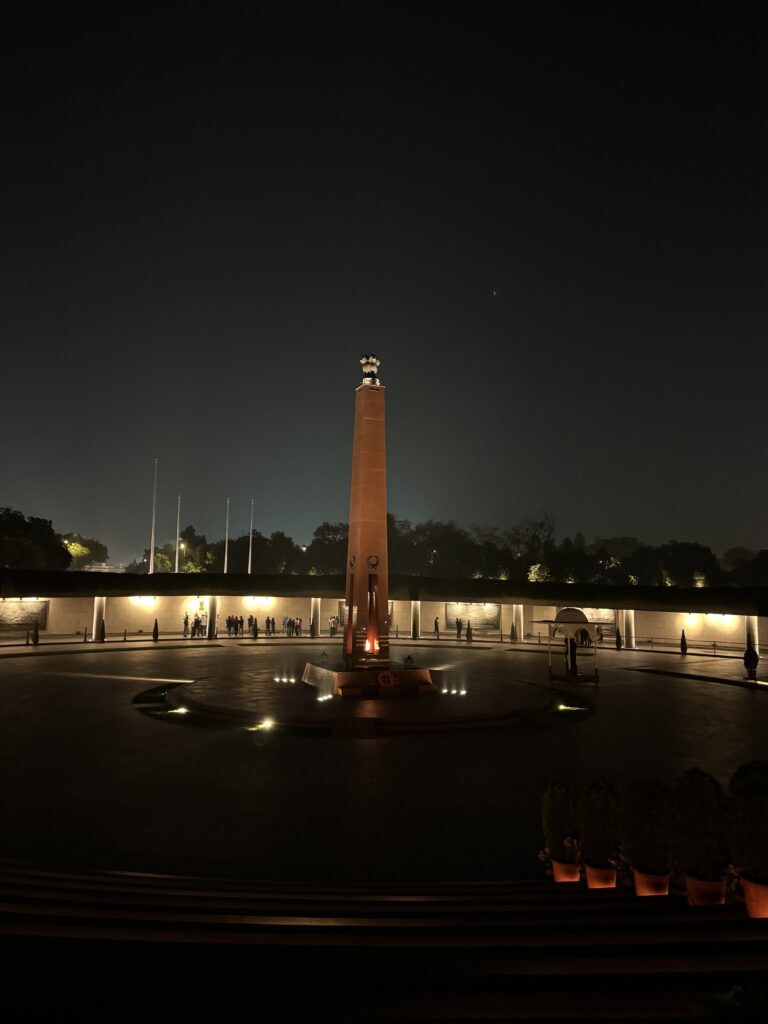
pixel 644 829
pixel 598 824
pixel 558 819
pixel 749 833
pixel 700 835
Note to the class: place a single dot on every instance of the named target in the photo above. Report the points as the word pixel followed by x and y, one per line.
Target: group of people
pixel 461 625
pixel 333 624
pixel 199 626
pixel 253 626
pixel 236 625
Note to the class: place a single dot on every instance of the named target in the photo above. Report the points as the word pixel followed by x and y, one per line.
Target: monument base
pixel 376 681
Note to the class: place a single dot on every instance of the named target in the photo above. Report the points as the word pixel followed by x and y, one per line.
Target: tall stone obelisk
pixel 366 634
pixel 366 670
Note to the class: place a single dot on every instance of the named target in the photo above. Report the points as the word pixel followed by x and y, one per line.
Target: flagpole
pixel 226 539
pixel 178 522
pixel 250 540
pixel 152 535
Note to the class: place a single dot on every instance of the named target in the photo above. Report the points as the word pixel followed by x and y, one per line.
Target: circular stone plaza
pixel 212 757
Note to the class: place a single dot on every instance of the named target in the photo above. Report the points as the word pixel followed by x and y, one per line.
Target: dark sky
pixel 550 226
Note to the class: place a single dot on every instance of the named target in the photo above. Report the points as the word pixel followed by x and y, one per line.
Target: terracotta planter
pixel 756 897
pixel 704 894
pixel 565 872
pixel 650 885
pixel 600 878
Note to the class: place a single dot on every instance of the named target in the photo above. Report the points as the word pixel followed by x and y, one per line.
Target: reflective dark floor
pixel 89 780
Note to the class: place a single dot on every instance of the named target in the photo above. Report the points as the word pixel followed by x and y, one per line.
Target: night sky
pixel 550 226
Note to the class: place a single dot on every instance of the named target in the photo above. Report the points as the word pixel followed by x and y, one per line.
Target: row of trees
pixel 529 551
pixel 28 542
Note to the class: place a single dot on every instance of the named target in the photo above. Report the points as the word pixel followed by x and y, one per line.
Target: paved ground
pixel 89 779
pixel 270 688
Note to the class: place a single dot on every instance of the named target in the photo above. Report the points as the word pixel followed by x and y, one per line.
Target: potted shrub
pixel 683 643
pixel 749 833
pixel 700 836
pixel 558 819
pixel 644 829
pixel 598 824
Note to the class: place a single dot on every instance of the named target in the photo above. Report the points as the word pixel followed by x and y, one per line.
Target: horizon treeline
pixel 528 551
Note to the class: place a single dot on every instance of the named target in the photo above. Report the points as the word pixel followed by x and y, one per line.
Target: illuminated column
pixel 314 616
pixel 751 629
pixel 366 638
pixel 99 610
pixel 629 628
pixel 620 625
pixel 213 612
pixel 518 622
pixel 416 620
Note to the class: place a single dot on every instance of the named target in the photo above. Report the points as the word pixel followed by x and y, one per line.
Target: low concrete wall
pixel 71 615
pixel 699 627
pixel 401 618
pixel 531 613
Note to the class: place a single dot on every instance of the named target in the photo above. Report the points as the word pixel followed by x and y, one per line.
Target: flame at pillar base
pixel 366 683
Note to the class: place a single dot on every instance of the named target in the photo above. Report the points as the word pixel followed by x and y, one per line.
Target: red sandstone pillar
pixel 366 637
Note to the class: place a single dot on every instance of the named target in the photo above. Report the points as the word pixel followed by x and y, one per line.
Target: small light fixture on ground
pixel 264 726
